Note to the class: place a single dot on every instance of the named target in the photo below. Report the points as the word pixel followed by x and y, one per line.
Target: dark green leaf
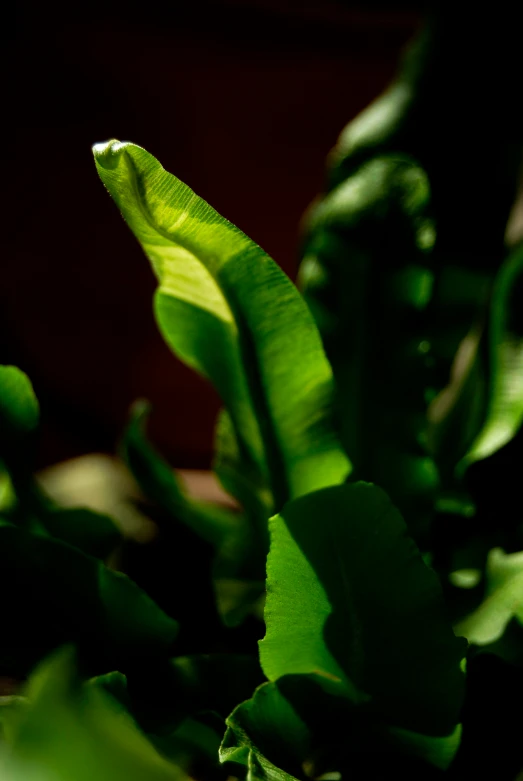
pixel 482 408
pixel 89 531
pixel 19 418
pixel 228 311
pixel 306 728
pixel 58 594
pixel 350 598
pixel 19 411
pixel 158 482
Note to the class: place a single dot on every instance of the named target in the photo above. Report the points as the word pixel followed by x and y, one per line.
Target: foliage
pixel 393 618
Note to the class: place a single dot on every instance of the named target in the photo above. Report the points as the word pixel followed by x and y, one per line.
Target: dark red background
pixel 242 100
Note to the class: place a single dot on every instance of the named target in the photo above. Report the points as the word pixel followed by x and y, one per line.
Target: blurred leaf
pixel 59 594
pixel 19 410
pixel 19 419
pixel 216 682
pixel 92 533
pixel 492 721
pixel 228 311
pixel 367 273
pixel 350 598
pixel 503 600
pixel 10 706
pixel 243 481
pixel 482 408
pixel 504 414
pixel 159 483
pixel 67 732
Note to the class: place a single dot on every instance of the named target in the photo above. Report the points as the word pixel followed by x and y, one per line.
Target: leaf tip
pixel 107 154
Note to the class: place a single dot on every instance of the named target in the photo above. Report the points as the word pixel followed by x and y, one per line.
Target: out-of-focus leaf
pixel 492 721
pixel 67 732
pixel 228 311
pixel 350 598
pixel 482 408
pixel 10 705
pixel 503 599
pixel 59 594
pixel 216 682
pixel 242 480
pixel 159 483
pixel 90 532
pixel 367 274
pixel 436 751
pixel 19 410
pixel 504 414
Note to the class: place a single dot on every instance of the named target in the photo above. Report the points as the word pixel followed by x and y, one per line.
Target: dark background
pixel 241 100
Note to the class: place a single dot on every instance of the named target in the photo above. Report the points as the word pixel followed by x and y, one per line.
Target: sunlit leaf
pixel 228 311
pixel 350 598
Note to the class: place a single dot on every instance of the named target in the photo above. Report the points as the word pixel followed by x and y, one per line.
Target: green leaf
pixel 58 594
pixel 295 727
pixel 482 407
pixel 367 273
pixel 503 600
pixel 266 726
pixel 227 310
pixel 19 410
pixel 504 415
pixel 92 533
pixel 19 418
pixel 436 751
pixel 68 732
pixel 216 682
pixel 241 479
pixel 159 483
pixel 350 598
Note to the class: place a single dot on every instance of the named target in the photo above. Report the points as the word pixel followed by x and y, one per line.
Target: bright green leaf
pixel 227 310
pixel 349 597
